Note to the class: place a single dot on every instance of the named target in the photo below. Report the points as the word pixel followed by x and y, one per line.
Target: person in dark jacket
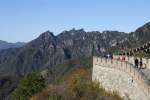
pixel 141 63
pixel 136 62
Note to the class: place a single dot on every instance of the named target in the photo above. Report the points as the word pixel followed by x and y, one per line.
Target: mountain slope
pixel 142 34
pixel 139 37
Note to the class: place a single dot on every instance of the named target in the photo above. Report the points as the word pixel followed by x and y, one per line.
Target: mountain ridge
pixel 7 45
pixel 68 45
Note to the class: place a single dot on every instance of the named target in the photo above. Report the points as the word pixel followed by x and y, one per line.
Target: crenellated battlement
pixel 128 68
pixel 130 59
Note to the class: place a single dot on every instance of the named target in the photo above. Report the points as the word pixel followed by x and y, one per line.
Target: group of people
pixel 109 56
pixel 123 58
pixel 137 63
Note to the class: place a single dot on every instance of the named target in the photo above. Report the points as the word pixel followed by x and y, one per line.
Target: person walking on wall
pixel 141 63
pixel 123 58
pixel 136 62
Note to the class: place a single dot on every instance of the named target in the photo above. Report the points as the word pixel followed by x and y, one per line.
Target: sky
pixel 24 20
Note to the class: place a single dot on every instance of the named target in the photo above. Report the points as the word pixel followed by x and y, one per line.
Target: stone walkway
pixel 146 73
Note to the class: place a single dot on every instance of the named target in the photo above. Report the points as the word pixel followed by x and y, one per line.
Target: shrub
pixel 76 86
pixel 31 83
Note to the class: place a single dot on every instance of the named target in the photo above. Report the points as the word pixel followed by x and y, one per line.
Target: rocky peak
pixel 47 35
pixel 142 34
pixel 71 34
pixel 147 24
pixel 45 39
pixel 144 27
pixel 75 30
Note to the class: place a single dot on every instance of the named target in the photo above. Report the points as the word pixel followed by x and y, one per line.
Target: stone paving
pixel 146 73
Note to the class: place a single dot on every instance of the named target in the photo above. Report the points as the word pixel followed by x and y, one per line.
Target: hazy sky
pixel 24 20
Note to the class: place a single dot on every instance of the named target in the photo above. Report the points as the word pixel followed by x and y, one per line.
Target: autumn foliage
pixel 76 86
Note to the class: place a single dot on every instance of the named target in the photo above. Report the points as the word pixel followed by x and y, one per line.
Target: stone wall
pixel 130 59
pixel 122 77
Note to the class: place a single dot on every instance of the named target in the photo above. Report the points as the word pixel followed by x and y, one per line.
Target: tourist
pixel 141 63
pixel 108 56
pixel 105 56
pixel 136 62
pixel 111 55
pixel 123 58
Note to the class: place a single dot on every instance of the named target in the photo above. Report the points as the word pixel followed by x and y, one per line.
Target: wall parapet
pixel 130 59
pixel 127 67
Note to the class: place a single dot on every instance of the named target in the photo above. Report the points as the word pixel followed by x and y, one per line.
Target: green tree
pixel 31 83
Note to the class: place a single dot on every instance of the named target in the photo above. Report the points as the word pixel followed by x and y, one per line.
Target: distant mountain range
pixel 6 45
pixel 49 50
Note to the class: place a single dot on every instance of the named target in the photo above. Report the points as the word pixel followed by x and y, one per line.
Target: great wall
pixel 121 76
